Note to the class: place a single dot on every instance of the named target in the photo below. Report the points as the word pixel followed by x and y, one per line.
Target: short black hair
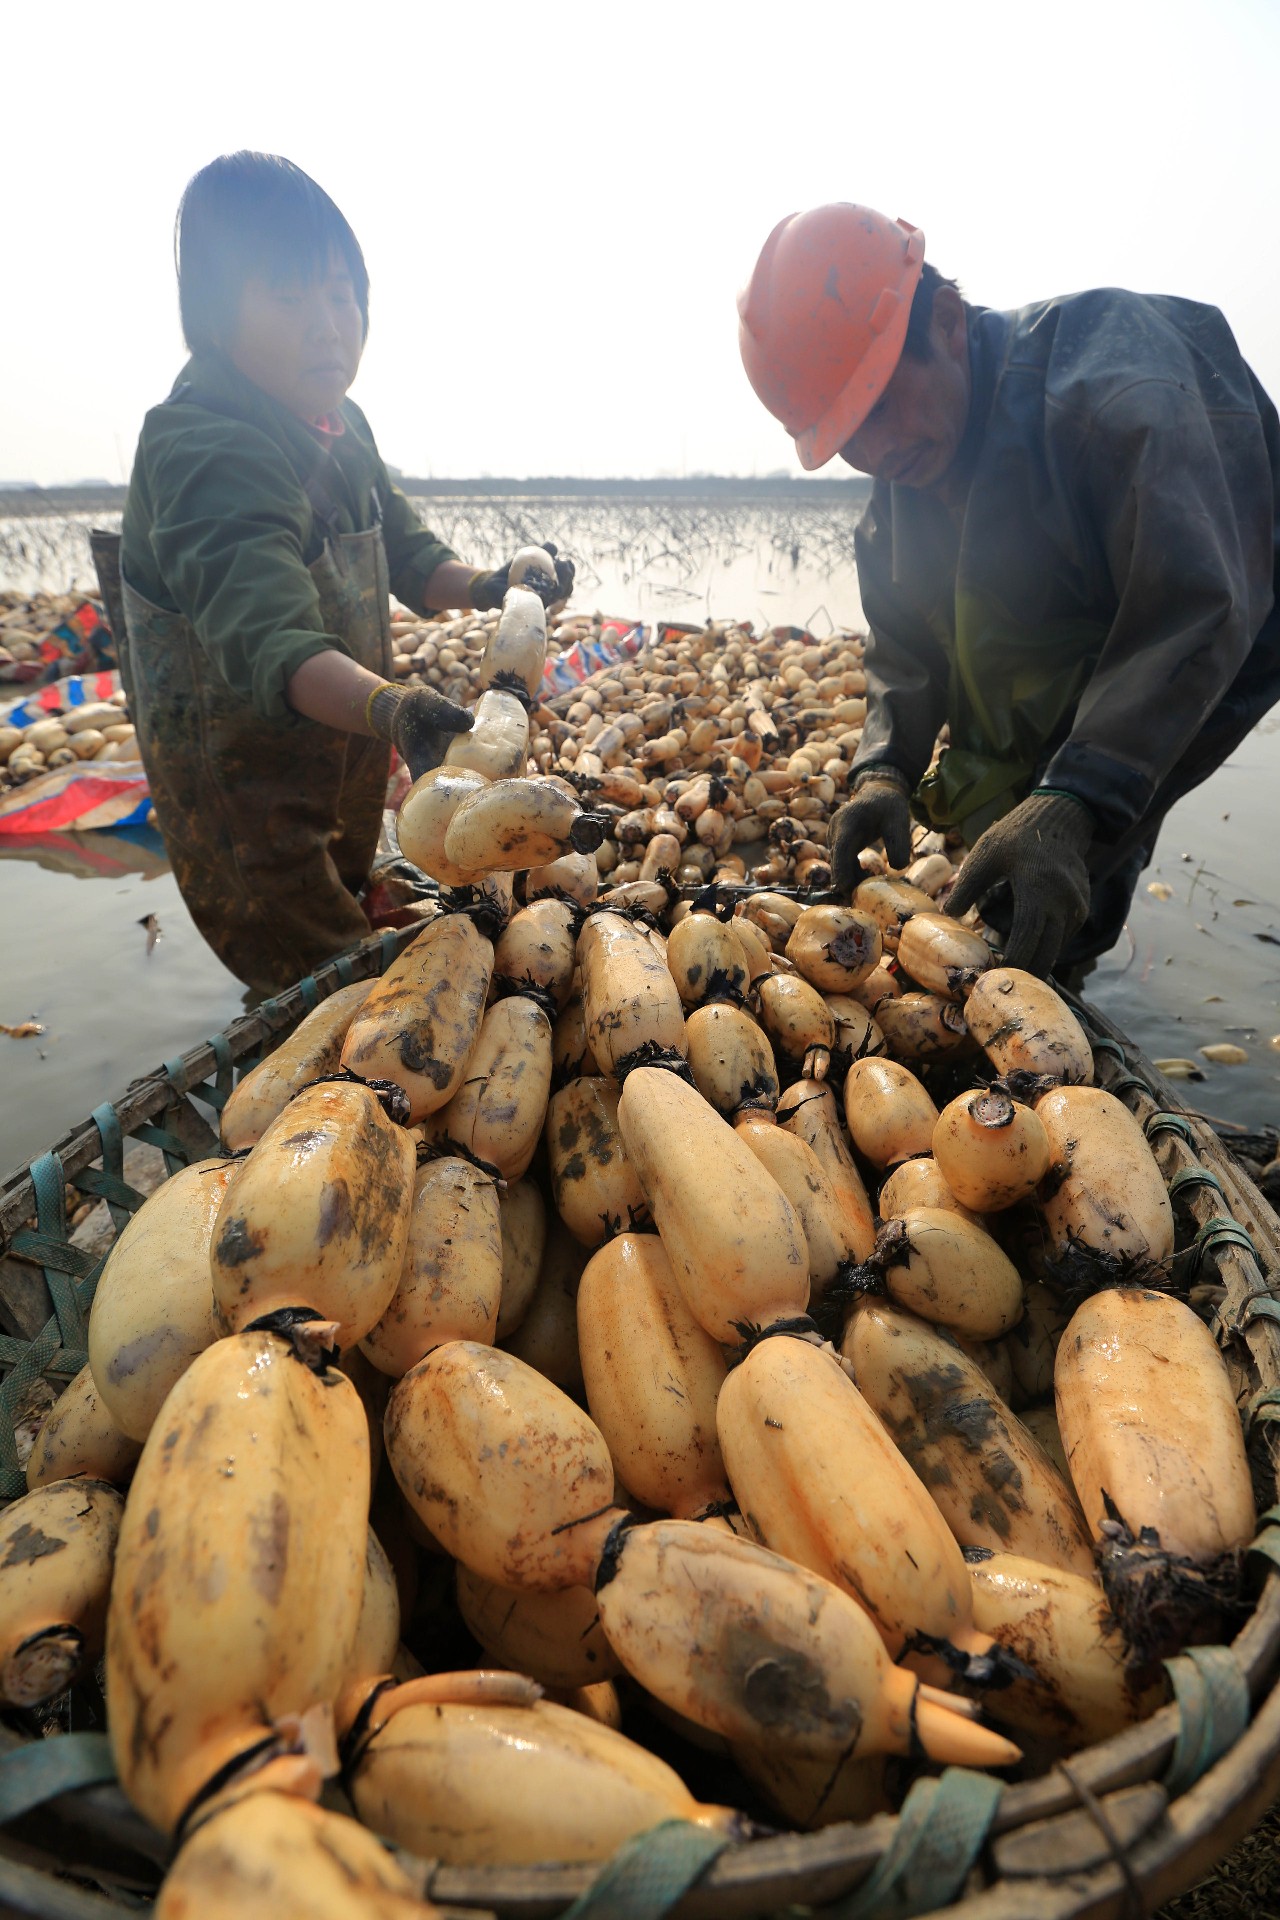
pixel 920 319
pixel 249 214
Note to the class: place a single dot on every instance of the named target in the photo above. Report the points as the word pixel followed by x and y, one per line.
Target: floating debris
pixel 1160 890
pixel 25 1030
pixel 1224 1053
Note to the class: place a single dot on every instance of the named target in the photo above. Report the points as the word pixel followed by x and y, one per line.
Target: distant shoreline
pixel 29 502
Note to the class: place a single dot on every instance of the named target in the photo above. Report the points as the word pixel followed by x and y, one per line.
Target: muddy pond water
pixel 97 947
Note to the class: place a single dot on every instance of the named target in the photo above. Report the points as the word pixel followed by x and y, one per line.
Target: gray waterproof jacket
pixel 1109 576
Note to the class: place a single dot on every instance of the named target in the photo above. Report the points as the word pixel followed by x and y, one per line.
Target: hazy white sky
pixel 559 201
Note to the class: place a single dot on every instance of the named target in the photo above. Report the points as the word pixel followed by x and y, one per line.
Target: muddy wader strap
pixel 941 1831
pixel 1212 1697
pixel 43 1769
pixel 650 1873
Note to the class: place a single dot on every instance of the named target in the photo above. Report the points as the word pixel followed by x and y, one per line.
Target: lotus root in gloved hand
pixel 418 722
pixel 879 810
pixel 552 581
pixel 1037 851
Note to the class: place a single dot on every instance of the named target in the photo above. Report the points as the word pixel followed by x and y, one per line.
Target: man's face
pixel 300 341
pixel 913 432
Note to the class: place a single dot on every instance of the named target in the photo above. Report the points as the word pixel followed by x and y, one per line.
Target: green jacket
pixel 219 525
pixel 1109 581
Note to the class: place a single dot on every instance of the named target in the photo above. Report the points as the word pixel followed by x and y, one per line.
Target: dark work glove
pixel 1038 852
pixel 879 810
pixel 418 722
pixel 487 589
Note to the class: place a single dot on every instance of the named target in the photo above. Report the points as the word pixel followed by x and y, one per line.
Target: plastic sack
pixel 617 640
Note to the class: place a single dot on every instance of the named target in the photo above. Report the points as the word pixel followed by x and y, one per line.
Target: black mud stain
pixel 237 1243
pixel 335 1212
pixel 269 1549
pixel 30 1543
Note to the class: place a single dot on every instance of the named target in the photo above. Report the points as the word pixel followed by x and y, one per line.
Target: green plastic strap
pixel 174 1150
pixel 110 1185
pixel 64 1363
pixel 650 1873
pixel 1189 1177
pixel 1161 1122
pixel 388 944
pixel 1266 1543
pixel 42 1769
pixel 1219 1232
pixel 941 1829
pixel 344 969
pixel 1259 1306
pixel 1101 1044
pixel 1264 1405
pixel 1124 1082
pixel 1212 1696
pixel 49 1244
pixel 310 992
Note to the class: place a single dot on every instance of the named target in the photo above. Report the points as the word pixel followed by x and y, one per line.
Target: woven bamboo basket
pixel 1113 1833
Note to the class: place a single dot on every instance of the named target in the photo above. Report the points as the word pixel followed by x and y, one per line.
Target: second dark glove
pixel 879 810
pixel 488 589
pixel 418 722
pixel 1037 851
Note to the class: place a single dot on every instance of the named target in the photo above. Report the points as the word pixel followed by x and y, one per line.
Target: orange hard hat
pixel 823 319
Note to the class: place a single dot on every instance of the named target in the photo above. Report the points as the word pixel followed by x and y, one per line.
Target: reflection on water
pixel 1201 966
pixel 92 856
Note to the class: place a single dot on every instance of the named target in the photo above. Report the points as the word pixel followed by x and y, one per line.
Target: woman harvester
pixel 261 538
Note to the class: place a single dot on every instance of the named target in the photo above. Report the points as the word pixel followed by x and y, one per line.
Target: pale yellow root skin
pixel 889 1115
pixel 1147 1412
pixel 596 1188
pixel 991 1481
pixel 547 1337
pixel 835 948
pixel 424 817
pixel 498 743
pixel 989 1168
pixel 756 1649
pixel 919 1183
pixel 857 1034
pixel 498 1111
pixel 808 1109
pixel 523 1217
pixel 556 1637
pixel 797 1169
pixel 466 1405
pixel 890 902
pixel 56 1591
pixel 377 1640
pixel 1057 1623
pixel 1021 1024
pixel 153 1309
pixel 1108 1193
pixel 268 1855
pixel 944 957
pixel 652 1376
pixel 450 1286
pixel 946 1269
pixel 730 1059
pixel 795 1016
pixel 628 993
pixel 538 947
pixel 700 949
pixel 318 1215
pixel 511 824
pixel 514 1785
pixel 312 1049
pixel 923 1026
pixel 79 1436
pixel 732 1236
pixel 871 1529
pixel 419 1025
pixel 240 1568
pixel 518 644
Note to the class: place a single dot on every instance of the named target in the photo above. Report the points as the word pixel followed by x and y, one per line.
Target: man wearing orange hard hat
pixel 1069 560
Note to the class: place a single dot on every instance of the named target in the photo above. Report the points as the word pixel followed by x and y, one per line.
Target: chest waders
pixel 271 828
